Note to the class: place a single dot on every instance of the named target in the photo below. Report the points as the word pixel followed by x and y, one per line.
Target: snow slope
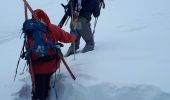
pixel 130 62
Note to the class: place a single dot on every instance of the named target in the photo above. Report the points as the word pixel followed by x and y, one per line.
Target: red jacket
pixel 57 34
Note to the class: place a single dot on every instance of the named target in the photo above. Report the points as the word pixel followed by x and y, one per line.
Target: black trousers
pixel 42 86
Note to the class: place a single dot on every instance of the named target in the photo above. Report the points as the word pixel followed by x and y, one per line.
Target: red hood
pixel 42 16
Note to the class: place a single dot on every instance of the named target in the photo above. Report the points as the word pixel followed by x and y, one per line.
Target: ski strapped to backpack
pixel 72 9
pixel 42 47
pixel 75 9
pixel 26 4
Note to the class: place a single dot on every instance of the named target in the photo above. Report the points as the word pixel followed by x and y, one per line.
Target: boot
pixel 71 51
pixel 88 48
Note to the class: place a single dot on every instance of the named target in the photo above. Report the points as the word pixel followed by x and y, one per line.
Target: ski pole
pixel 74 19
pixel 19 61
pixel 73 25
pixel 67 67
pixel 95 23
pixel 26 17
pixel 59 53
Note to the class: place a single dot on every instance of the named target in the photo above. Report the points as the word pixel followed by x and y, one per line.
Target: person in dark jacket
pixel 83 26
pixel 42 71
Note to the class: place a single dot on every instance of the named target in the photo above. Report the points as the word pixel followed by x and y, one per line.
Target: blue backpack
pixel 38 44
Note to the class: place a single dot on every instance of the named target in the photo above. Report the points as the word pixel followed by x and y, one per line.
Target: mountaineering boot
pixel 88 48
pixel 71 51
pixel 74 45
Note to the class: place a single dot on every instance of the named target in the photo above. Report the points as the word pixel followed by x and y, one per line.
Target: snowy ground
pixel 130 62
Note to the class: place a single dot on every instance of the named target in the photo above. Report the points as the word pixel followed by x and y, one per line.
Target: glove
pixel 74 32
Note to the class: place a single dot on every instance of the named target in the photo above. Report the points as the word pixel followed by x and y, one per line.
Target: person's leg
pixel 42 82
pixel 39 93
pixel 86 33
pixel 47 85
pixel 74 45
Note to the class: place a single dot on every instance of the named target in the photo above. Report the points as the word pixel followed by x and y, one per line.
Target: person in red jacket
pixel 43 71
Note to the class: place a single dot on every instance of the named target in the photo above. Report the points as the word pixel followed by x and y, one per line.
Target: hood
pixel 42 16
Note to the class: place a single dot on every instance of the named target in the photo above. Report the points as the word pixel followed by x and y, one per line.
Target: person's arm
pixel 96 10
pixel 61 35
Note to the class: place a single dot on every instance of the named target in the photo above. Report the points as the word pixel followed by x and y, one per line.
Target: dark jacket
pixel 90 7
